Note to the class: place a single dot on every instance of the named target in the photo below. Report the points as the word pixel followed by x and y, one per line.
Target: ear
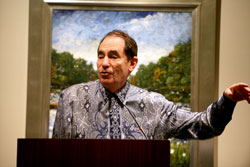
pixel 133 63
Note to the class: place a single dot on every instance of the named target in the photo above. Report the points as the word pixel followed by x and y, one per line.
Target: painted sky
pixel 80 31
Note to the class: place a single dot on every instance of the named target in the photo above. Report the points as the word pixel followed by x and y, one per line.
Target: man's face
pixel 112 64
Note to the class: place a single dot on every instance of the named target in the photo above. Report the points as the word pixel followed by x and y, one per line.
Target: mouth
pixel 104 73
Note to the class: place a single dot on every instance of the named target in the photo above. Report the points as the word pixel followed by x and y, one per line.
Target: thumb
pixel 229 93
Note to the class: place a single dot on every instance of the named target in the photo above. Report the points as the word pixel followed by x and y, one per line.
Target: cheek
pixel 117 70
pixel 121 71
pixel 99 66
pixel 99 62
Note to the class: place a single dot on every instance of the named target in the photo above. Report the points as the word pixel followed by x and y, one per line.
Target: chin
pixel 106 81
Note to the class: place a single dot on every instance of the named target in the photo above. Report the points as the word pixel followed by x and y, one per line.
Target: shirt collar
pixel 121 93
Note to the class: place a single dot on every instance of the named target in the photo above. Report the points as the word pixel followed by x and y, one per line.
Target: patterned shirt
pixel 88 110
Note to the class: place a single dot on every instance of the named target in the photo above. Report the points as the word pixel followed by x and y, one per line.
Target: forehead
pixel 112 43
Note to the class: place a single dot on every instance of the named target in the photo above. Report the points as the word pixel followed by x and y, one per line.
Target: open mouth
pixel 104 73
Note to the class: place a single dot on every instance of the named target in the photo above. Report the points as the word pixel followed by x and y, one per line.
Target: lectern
pixel 93 153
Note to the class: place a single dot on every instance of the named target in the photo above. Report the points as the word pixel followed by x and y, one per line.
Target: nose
pixel 105 62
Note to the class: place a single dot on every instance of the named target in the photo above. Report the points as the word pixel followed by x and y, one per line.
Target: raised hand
pixel 238 92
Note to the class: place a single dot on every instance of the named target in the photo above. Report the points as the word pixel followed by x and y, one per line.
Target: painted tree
pixel 170 76
pixel 178 80
pixel 66 71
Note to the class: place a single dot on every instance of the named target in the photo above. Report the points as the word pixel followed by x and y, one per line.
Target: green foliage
pixel 179 153
pixel 66 71
pixel 170 76
pixel 144 75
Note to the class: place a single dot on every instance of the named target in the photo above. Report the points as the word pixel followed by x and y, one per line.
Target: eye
pixel 100 55
pixel 113 55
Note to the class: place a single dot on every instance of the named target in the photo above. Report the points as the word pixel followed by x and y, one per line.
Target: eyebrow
pixel 113 52
pixel 100 52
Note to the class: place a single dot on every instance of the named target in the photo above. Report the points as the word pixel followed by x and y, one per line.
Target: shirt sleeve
pixel 183 124
pixel 62 124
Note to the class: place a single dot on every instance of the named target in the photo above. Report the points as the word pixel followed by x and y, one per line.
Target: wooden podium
pixel 92 152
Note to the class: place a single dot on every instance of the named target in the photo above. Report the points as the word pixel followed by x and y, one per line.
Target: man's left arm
pixel 222 110
pixel 212 121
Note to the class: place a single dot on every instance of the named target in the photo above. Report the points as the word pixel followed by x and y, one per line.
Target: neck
pixel 114 89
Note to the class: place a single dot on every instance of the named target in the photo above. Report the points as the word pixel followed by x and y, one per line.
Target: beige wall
pixel 234 143
pixel 13 76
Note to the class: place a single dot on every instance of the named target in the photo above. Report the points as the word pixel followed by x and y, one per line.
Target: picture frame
pixel 204 63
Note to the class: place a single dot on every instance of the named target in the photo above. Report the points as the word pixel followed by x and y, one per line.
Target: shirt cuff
pixel 225 102
pixel 222 111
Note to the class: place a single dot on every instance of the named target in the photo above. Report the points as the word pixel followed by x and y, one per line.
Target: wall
pixel 233 144
pixel 13 76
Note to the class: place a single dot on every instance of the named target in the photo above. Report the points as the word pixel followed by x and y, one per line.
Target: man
pixel 112 108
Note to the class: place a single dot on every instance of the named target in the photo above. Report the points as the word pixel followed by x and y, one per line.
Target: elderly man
pixel 111 108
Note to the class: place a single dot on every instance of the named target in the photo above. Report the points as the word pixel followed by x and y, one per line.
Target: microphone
pixel 123 105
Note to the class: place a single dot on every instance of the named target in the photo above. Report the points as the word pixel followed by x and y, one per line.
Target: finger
pixel 246 97
pixel 239 86
pixel 246 90
pixel 248 100
pixel 242 84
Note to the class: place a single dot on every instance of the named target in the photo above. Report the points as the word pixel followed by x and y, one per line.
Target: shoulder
pixel 79 89
pixel 136 92
pixel 152 102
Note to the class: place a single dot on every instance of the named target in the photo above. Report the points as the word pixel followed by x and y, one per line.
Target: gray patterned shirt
pixel 84 112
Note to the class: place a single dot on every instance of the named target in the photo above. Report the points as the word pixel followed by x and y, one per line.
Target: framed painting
pixel 71 31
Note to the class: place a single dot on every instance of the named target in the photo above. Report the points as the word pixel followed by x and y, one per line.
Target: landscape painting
pixel 164 53
pixel 164 44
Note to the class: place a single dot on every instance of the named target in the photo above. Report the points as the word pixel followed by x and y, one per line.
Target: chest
pixel 92 118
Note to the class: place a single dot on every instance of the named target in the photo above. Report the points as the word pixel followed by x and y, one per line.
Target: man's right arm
pixel 62 124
